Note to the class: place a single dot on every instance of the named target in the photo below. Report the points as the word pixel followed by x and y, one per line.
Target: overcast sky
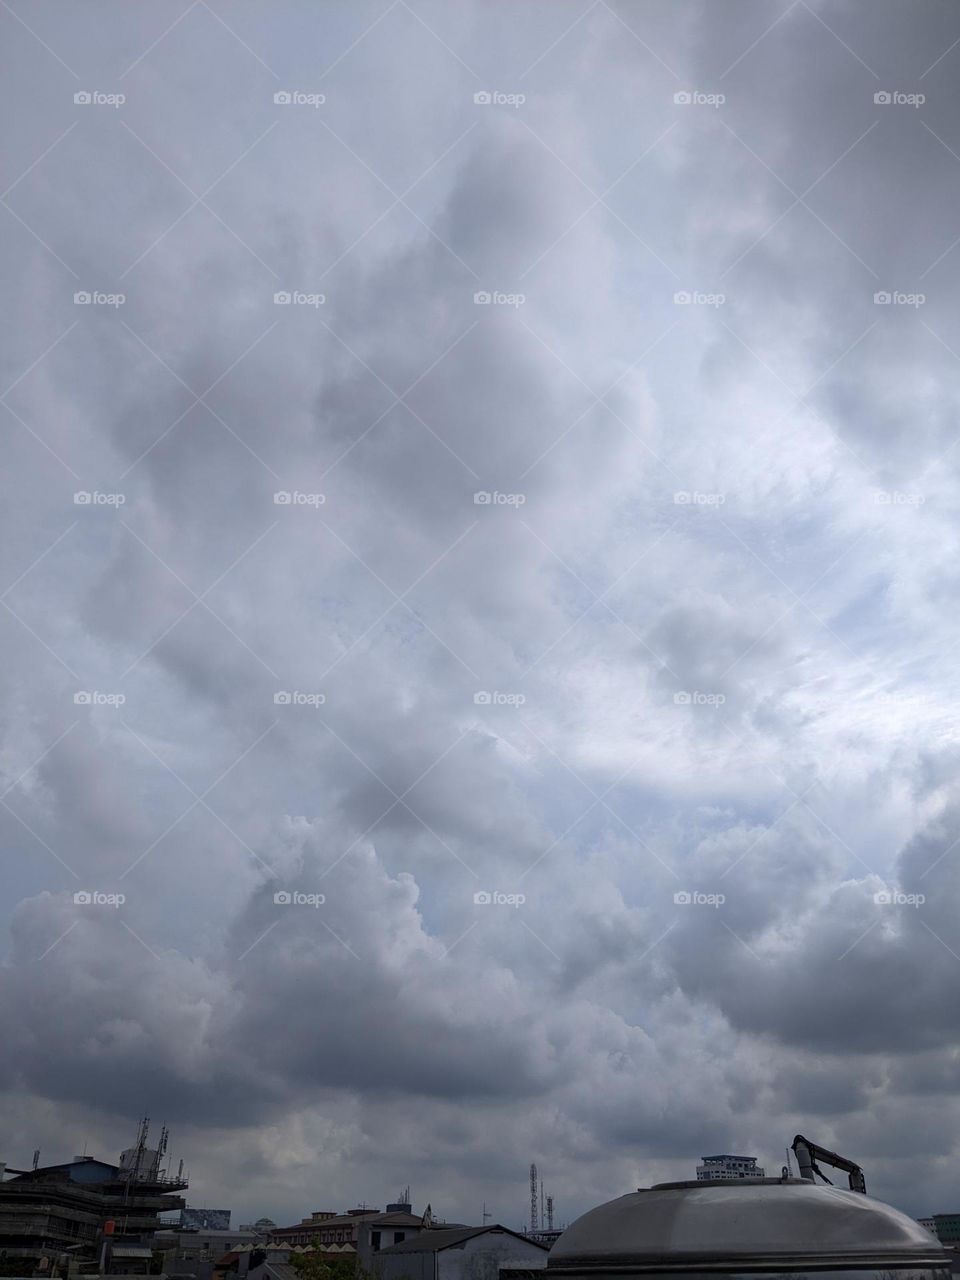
pixel 607 357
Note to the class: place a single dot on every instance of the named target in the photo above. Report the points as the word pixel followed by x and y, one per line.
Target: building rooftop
pixel 91 1172
pixel 400 1219
pixel 276 1271
pixel 435 1239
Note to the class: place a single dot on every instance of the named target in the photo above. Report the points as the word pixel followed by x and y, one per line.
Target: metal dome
pixel 758 1226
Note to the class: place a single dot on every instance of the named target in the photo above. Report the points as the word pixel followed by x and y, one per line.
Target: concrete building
pixel 361 1231
pixel 201 1242
pixel 87 1209
pixel 459 1253
pixel 728 1168
pixel 945 1226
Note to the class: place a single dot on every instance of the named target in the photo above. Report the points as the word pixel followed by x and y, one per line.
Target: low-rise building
pixel 945 1226
pixel 201 1242
pixel 728 1168
pixel 362 1231
pixel 459 1253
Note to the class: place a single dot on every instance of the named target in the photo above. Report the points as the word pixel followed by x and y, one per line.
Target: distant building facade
pixel 728 1168
pixel 945 1226
pixel 262 1226
pixel 546 1236
pixel 362 1232
pixel 202 1242
pixel 214 1219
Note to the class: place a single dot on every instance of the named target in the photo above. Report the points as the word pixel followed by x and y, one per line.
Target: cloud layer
pixel 503 657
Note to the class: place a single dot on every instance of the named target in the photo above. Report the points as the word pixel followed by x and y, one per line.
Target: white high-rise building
pixel 728 1168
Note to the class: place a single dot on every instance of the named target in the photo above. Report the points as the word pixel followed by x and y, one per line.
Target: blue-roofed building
pixel 87 1209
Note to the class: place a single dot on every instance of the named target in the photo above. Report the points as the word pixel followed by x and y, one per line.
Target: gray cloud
pixel 798 591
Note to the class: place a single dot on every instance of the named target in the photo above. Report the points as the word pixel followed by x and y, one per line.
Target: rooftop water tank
pixel 757 1227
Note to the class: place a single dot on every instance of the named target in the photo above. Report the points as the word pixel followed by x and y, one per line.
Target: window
pixel 375 1240
pixel 398 1236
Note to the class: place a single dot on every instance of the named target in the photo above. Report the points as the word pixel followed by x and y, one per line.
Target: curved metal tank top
pixel 757 1227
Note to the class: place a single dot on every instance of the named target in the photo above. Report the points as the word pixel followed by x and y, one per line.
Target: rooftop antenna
pixel 485 1215
pixel 36 1157
pixel 549 1213
pixel 534 1205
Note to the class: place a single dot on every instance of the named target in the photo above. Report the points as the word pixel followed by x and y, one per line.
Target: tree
pixel 313 1266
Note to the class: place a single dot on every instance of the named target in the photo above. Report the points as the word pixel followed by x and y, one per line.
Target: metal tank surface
pixel 754 1228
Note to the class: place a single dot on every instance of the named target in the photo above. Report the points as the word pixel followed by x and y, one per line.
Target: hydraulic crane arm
pixel 808 1153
